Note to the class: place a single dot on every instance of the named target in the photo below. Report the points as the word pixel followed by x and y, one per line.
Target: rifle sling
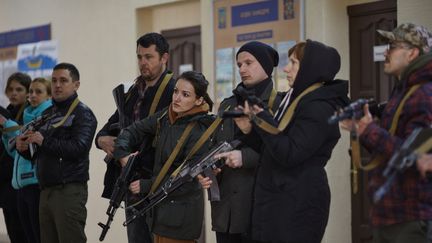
pixel 71 109
pixel 172 156
pixel 159 92
pixel 17 118
pixel 200 142
pixel 288 114
pixel 379 158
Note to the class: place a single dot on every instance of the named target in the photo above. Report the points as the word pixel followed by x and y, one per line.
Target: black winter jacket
pixel 292 195
pixel 63 156
pixel 132 97
pixel 232 213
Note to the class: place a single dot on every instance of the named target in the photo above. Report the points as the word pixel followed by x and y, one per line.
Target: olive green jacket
pixel 180 215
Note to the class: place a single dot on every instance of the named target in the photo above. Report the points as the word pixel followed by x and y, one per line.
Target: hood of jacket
pixel 419 70
pixel 320 63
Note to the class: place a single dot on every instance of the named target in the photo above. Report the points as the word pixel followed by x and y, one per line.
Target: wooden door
pixel 185 49
pixel 367 80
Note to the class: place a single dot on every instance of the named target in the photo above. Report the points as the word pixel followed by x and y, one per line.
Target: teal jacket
pixel 24 171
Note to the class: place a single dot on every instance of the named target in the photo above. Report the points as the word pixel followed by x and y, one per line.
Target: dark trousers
pixel 232 238
pixel 412 232
pixel 62 213
pixel 14 227
pixel 28 209
pixel 138 230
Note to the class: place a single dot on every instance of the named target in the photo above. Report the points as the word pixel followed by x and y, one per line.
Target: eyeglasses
pixel 394 45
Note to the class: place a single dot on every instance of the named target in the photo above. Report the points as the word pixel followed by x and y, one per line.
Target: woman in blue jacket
pixel 24 172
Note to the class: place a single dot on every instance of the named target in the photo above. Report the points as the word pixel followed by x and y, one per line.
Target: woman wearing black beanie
pixel 292 195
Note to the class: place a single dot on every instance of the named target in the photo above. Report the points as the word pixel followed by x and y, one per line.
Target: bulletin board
pixel 278 23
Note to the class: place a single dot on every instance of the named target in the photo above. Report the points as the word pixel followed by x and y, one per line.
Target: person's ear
pixel 415 52
pixel 199 101
pixel 76 85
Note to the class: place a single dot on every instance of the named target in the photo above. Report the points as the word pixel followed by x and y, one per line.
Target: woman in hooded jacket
pixel 292 195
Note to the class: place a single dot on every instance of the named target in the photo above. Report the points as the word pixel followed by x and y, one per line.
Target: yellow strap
pixel 11 129
pixel 172 156
pixel 159 92
pixel 21 110
pixel 288 114
pixel 425 147
pixel 200 142
pixel 272 99
pixel 71 109
pixel 379 158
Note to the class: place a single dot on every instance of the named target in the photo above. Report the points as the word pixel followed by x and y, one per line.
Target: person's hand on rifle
pixel 21 143
pixel 361 124
pixel 244 122
pixel 232 158
pixel 123 161
pixel 2 120
pixel 107 144
pixel 424 164
pixel 134 187
pixel 34 137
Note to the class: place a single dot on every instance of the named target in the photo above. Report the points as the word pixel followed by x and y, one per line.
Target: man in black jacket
pixel 62 159
pixel 231 215
pixel 153 88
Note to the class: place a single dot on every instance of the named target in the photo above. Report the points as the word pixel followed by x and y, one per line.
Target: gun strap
pixel 272 99
pixel 200 142
pixel 379 158
pixel 288 114
pixel 159 92
pixel 172 156
pixel 11 129
pixel 71 109
pixel 20 112
pixel 424 147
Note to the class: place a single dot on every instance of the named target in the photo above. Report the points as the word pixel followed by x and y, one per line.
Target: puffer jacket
pixel 63 156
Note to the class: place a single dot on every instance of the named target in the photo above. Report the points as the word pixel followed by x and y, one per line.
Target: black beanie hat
pixel 265 55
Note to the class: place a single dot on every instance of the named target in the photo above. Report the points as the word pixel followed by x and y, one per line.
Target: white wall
pixel 415 11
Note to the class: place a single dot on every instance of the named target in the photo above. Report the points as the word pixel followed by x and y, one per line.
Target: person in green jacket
pixel 179 217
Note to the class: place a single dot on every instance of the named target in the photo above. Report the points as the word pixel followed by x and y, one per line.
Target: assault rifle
pixel 33 125
pixel 246 95
pixel 355 110
pixel 187 173
pixel 405 157
pixel 119 99
pixel 119 192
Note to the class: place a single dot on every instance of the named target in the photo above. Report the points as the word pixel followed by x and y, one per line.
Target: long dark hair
pixel 200 84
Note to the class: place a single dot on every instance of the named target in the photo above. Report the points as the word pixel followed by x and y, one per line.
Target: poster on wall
pixel 282 49
pixel 7 67
pixel 38 59
pixel 224 73
pixel 278 23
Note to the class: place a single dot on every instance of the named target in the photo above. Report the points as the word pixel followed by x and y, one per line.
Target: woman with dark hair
pixel 292 195
pixel 179 217
pixel 17 88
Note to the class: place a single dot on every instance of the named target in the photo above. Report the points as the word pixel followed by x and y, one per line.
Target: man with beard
pixel 151 92
pixel 403 213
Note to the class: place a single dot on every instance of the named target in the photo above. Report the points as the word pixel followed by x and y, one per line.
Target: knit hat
pixel 265 55
pixel 413 34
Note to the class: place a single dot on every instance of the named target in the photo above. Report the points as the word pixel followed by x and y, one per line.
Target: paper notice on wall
pixel 378 53
pixel 7 68
pixel 38 59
